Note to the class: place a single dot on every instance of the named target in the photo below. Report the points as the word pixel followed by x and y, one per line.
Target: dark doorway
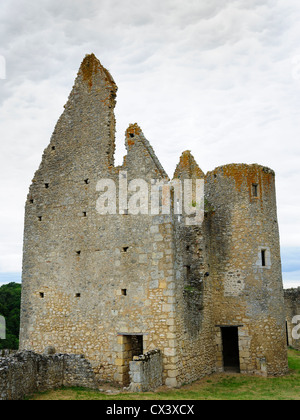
pixel 230 340
pixel 137 345
pixel 132 345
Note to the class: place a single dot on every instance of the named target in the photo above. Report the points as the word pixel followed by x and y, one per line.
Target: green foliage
pixel 208 207
pixel 10 302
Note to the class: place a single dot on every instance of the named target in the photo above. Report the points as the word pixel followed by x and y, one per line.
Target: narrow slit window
pixel 263 258
pixel 42 295
pixel 124 292
pixel 255 190
pixel 84 214
pixel 47 185
pixel 39 218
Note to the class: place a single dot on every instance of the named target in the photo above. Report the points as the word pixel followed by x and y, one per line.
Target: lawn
pixel 216 387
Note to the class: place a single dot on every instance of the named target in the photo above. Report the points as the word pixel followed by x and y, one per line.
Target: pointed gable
pixel 187 167
pixel 141 155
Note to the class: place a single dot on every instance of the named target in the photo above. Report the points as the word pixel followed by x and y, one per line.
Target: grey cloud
pixel 214 77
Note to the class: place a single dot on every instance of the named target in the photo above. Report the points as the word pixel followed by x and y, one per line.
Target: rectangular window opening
pixel 124 292
pixel 42 295
pixel 84 214
pixel 78 252
pixel 78 295
pixel 40 218
pixel 255 190
pixel 263 258
pixel 46 185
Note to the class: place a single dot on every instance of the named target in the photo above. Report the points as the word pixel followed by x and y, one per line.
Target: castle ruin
pixel 207 295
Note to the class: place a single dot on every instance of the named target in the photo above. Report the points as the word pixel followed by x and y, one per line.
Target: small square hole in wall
pixel 42 295
pixel 31 201
pixel 53 148
pixel 39 218
pixel 78 252
pixel 125 248
pixel 124 292
pixel 84 214
pixel 78 295
pixel 131 135
pixel 87 181
pixel 46 185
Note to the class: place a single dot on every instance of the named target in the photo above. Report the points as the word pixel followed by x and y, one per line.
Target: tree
pixel 10 302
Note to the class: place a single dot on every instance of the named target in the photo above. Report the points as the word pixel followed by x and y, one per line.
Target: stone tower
pixel 245 265
pixel 108 274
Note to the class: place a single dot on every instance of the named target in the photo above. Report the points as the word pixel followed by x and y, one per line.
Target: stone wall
pixel 88 277
pixel 193 324
pixel 292 305
pixel 26 372
pixel 146 372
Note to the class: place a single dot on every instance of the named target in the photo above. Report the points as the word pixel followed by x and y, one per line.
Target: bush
pixel 10 302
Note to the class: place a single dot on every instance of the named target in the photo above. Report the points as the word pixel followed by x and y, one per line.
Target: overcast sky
pixel 218 77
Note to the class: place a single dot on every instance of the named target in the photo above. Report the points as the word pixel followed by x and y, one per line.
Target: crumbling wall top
pixel 90 67
pixel 188 167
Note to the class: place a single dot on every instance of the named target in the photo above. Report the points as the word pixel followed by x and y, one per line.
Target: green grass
pixel 216 387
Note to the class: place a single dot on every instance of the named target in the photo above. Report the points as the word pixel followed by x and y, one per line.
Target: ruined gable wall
pixel 150 274
pixel 61 237
pixel 194 318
